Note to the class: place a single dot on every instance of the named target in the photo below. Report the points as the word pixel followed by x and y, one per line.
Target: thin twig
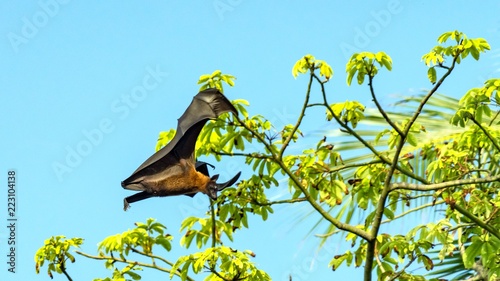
pixel 476 220
pixel 380 109
pixel 395 217
pixel 178 273
pixel 63 269
pixel 286 201
pixel 395 276
pixel 152 256
pixel 492 139
pixel 354 165
pixel 250 155
pixel 438 186
pixel 432 204
pixel 379 262
pixel 211 269
pixel 494 117
pixel 459 227
pixel 214 227
pixel 299 120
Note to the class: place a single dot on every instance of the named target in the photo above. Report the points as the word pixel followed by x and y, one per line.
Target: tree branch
pixel 299 121
pixel 354 165
pixel 379 211
pixel 211 269
pixel 152 256
pixel 250 155
pixel 364 142
pixel 214 226
pixel 63 270
pixel 380 109
pixel 494 117
pixel 492 139
pixel 350 228
pixel 286 201
pixel 395 276
pixel 432 204
pixel 438 186
pixel 395 217
pixel 178 273
pixel 476 220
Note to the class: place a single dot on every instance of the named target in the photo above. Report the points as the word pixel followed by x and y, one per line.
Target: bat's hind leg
pixel 134 198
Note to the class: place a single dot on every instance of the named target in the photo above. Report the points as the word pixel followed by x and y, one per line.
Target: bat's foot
pixel 126 205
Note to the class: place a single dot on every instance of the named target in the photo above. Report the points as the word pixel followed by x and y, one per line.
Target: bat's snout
pixel 212 193
pixel 212 187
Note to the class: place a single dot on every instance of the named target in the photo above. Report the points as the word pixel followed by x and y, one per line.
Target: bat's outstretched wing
pixel 207 104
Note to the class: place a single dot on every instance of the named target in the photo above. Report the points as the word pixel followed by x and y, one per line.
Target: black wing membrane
pixel 207 104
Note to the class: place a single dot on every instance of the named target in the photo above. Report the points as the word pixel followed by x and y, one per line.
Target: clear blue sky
pixel 71 76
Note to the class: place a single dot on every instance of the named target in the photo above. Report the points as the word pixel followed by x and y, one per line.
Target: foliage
pixel 309 63
pixel 56 251
pixel 233 264
pixel 408 164
pixel 215 80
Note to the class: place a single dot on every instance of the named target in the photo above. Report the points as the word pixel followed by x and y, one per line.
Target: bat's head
pixel 212 187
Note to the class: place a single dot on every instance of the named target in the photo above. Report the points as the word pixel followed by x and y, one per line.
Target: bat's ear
pixel 221 186
pixel 214 178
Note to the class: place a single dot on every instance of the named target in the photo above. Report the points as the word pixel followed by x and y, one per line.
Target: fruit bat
pixel 173 170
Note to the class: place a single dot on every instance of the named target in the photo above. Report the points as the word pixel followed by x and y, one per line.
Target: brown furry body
pixel 185 181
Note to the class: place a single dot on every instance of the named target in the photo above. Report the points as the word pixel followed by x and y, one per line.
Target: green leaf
pixel 431 74
pixel 428 263
pixel 350 75
pixel 134 275
pixel 361 77
pixel 164 242
pixel 412 139
pixel 443 37
pixel 388 213
pixel 70 257
pixel 203 78
pixel 471 252
pixel 325 70
pixel 337 261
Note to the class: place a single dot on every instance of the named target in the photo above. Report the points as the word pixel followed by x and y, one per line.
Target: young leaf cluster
pixel 461 48
pixel 215 80
pixel 56 252
pixel 363 64
pixel 309 63
pixel 223 263
pixel 478 104
pixel 348 112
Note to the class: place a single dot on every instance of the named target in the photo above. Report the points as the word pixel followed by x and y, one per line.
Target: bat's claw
pixel 126 205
